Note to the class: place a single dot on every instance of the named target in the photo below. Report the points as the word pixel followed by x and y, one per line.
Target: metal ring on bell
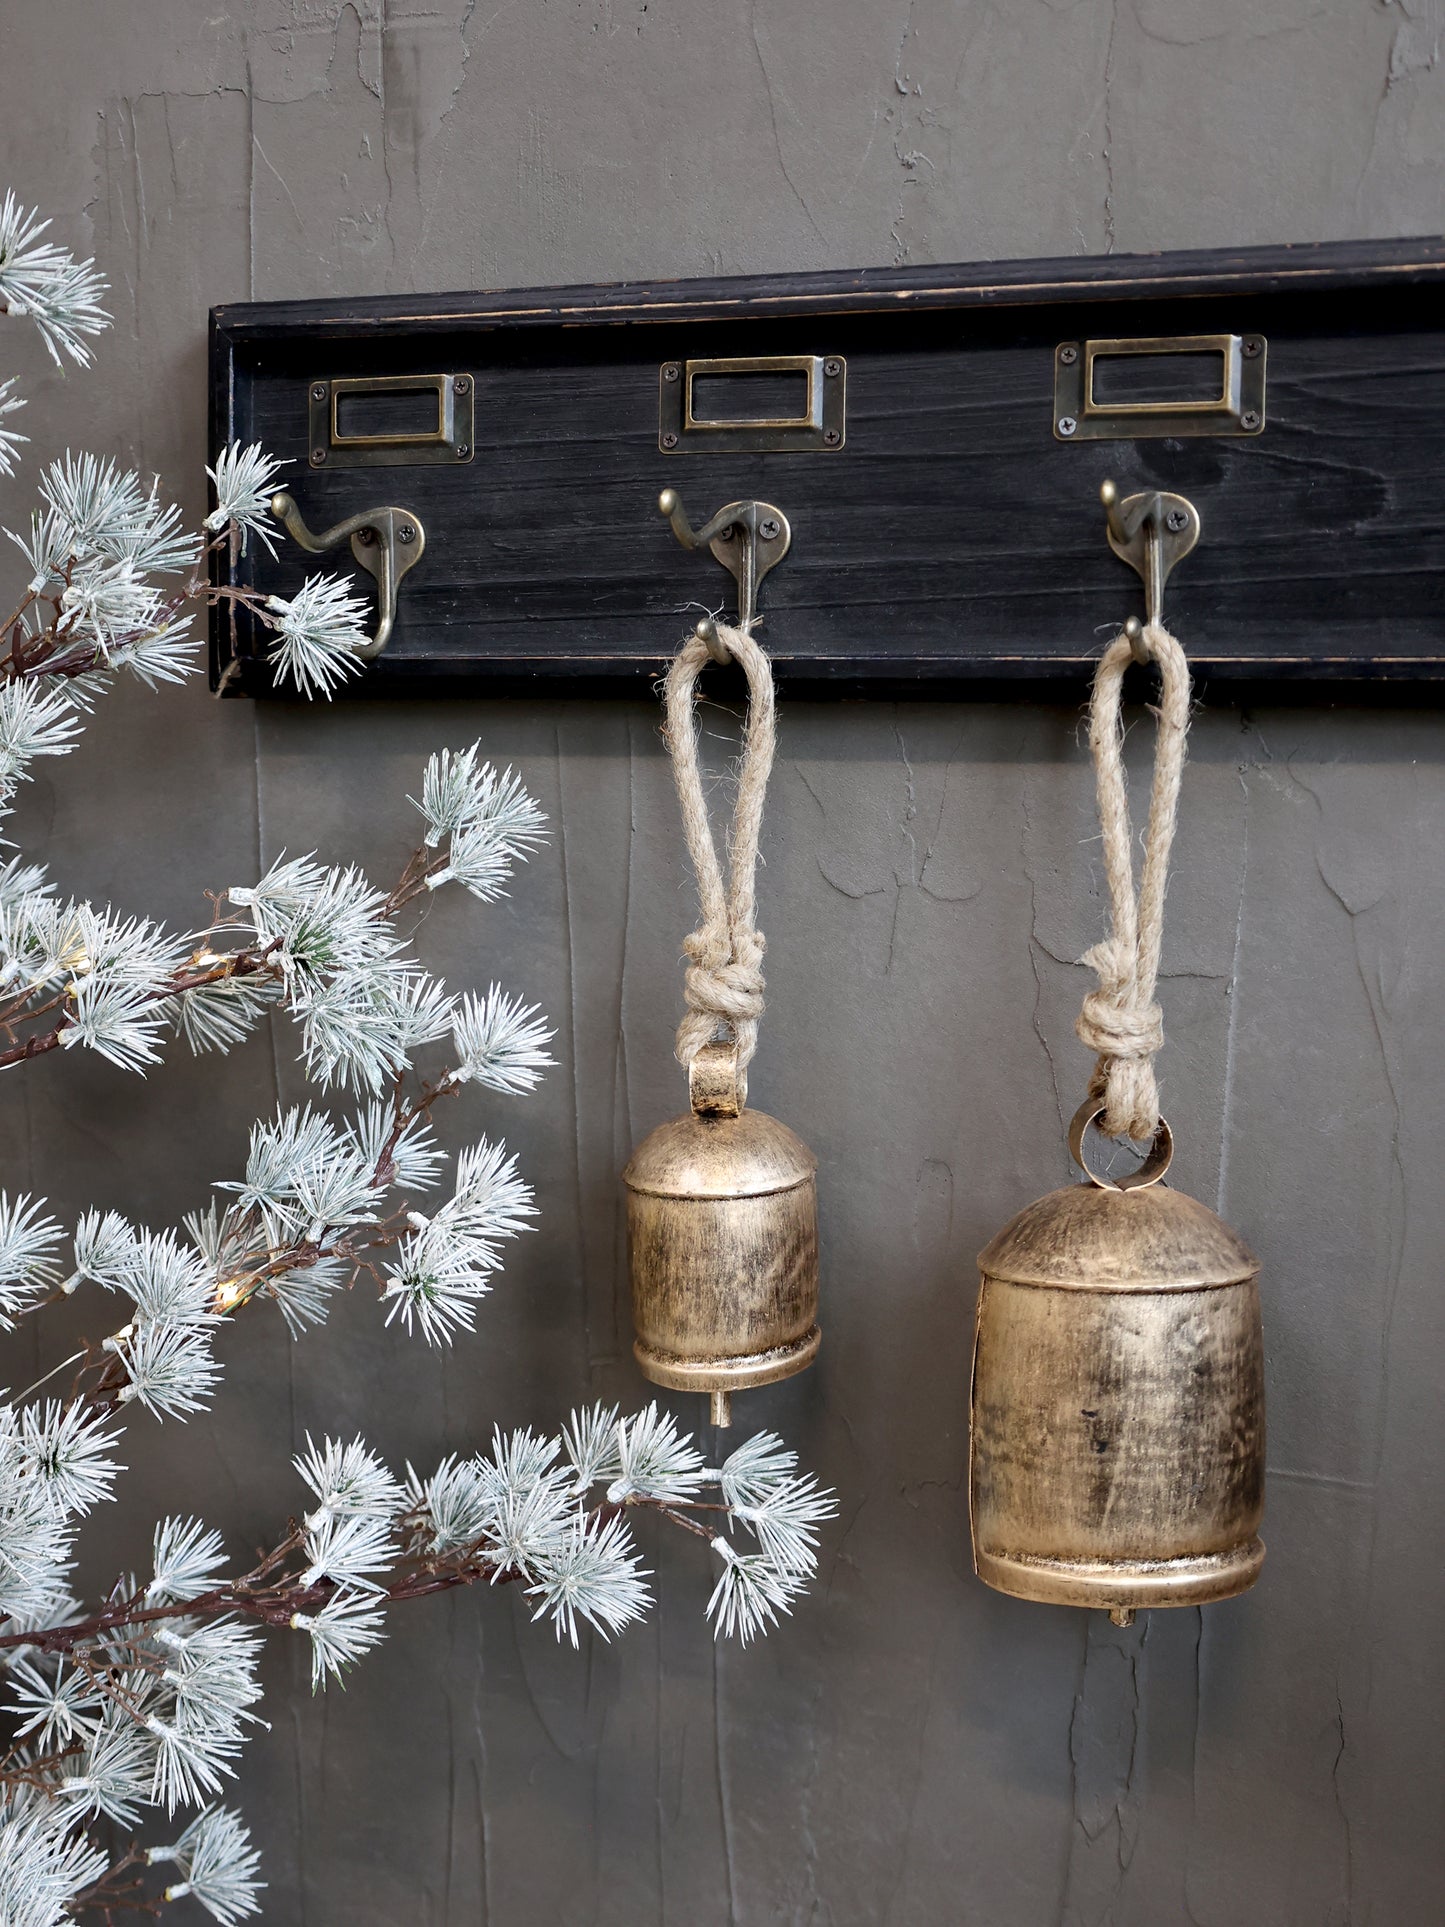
pixel 1156 1163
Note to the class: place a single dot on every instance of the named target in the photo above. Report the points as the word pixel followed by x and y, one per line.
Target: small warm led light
pixel 229 1293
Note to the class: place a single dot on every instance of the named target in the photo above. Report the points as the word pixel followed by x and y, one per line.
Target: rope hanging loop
pixel 724 984
pixel 1120 1020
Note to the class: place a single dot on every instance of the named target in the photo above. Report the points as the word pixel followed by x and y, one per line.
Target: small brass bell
pixel 1118 1399
pixel 722 1236
pixel 722 1203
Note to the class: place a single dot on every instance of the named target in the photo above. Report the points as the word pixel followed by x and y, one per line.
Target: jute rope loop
pixel 1120 1020
pixel 724 982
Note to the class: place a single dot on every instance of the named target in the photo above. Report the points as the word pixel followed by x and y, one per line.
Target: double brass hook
pixel 1151 532
pixel 748 538
pixel 386 542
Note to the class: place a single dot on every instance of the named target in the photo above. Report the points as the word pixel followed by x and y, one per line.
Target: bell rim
pixel 1198 1580
pixel 733 1374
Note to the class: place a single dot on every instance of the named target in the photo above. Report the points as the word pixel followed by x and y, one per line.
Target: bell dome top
pixel 719 1157
pixel 1090 1239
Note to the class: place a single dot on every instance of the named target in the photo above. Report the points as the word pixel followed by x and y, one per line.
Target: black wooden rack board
pixel 952 539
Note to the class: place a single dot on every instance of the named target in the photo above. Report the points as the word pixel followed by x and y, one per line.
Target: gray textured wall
pixel 911 1749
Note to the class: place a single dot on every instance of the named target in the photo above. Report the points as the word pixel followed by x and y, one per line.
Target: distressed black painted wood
pixel 953 540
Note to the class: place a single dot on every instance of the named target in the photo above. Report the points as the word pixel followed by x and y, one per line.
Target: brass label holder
pixel 452 440
pixel 386 542
pixel 820 427
pixel 1238 408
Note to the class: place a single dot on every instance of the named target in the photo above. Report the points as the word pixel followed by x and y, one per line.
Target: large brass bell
pixel 1117 1454
pixel 722 1235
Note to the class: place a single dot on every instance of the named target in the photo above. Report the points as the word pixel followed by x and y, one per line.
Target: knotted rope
pixel 1120 1020
pixel 724 982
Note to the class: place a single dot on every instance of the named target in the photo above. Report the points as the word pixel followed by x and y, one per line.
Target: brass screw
pixel 770 529
pixel 318 454
pixel 462 384
pixel 1249 419
pixel 832 437
pixel 366 537
pixel 406 533
pixel 671 371
pixel 318 391
pixel 832 367
pixel 463 450
pixel 727 534
pixel 1176 520
pixel 1252 346
pixel 1068 355
pixel 669 441
pixel 1067 424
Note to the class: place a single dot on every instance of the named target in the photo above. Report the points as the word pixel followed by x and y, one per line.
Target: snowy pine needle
pixel 45 281
pixel 186 1561
pixel 589 1439
pixel 654 1460
pixel 66 1445
pixel 595 1575
pixel 319 632
pixel 11 440
pixel 446 1263
pixel 488 822
pixel 755 1468
pixel 218 1866
pixel 348 1481
pixel 244 480
pixel 349 1551
pixel 500 1041
pixel 34 721
pixel 750 1593
pixel 28 1269
pixel 44 1862
pixel 346 1628
pixel 169 1370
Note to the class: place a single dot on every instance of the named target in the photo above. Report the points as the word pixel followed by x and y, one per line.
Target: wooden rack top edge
pixel 1197 274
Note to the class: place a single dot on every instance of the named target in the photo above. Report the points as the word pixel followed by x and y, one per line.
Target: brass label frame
pixel 1238 409
pixel 452 440
pixel 820 429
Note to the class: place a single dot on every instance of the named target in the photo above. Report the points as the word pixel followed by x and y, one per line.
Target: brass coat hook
pixel 385 541
pixel 1151 532
pixel 748 538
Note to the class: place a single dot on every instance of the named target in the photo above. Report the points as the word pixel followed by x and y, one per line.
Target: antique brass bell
pixel 722 1203
pixel 1116 1452
pixel 722 1234
pixel 1118 1399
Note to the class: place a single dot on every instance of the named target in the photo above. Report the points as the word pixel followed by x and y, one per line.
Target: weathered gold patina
pixel 722 1233
pixel 1117 1445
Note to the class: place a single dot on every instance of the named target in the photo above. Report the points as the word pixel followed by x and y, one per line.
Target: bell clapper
pixel 720 1409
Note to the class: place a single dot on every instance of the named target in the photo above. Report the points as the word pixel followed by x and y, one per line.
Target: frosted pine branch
pixel 146 1702
pixel 43 280
pixel 317 940
pixel 140 1706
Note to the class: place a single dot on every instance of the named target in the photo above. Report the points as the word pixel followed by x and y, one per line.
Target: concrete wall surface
pixel 910 1748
